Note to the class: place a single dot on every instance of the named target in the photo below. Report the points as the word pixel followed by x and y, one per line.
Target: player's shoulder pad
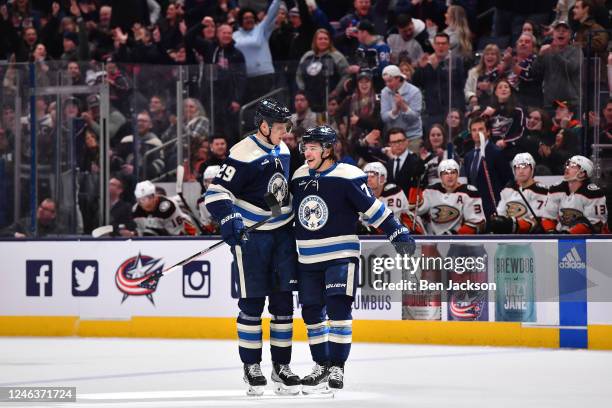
pixel 284 149
pixel 591 190
pixel 246 151
pixel 346 171
pixel 436 187
pixel 166 207
pixel 538 188
pixel 390 189
pixel 302 171
pixel 468 190
pixel 561 187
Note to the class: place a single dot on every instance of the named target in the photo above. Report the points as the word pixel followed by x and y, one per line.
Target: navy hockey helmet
pixel 324 135
pixel 271 111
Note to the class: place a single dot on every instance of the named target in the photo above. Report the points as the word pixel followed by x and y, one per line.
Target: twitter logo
pixel 85 278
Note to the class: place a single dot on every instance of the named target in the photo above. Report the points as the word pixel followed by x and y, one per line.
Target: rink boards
pixel 87 288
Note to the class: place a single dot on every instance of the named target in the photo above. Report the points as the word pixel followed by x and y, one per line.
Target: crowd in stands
pixel 399 80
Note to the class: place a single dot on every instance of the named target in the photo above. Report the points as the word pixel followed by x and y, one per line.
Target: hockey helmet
pixel 324 135
pixel 376 167
pixel 271 111
pixel 210 172
pixel 523 159
pixel 585 164
pixel 448 165
pixel 144 189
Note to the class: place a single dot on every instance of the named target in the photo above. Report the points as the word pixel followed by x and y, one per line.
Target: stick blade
pixel 180 175
pixel 274 205
pixel 102 231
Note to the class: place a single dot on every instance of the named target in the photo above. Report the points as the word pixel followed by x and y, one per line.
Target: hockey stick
pixel 180 174
pixel 102 231
pixel 486 171
pixel 535 217
pixel 270 200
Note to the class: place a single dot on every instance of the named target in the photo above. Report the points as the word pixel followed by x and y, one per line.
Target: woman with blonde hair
pixel 481 78
pixel 458 31
pixel 320 70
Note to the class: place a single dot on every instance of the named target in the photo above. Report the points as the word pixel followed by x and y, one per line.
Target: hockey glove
pixel 402 241
pixel 232 230
pixel 501 225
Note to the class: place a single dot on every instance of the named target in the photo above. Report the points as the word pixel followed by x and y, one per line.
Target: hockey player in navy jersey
pixel 264 262
pixel 328 198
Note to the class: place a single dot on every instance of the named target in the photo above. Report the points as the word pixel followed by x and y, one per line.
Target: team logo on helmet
pixel 313 213
pixel 278 186
pixel 444 213
pixel 515 209
pixel 569 216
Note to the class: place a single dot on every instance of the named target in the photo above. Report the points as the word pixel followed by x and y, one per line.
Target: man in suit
pixel 499 170
pixel 403 166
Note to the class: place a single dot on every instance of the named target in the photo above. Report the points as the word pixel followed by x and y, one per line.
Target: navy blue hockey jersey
pixel 327 207
pixel 252 169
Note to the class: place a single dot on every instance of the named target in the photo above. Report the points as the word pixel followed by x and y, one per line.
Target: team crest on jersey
pixel 442 214
pixel 515 209
pixel 313 213
pixel 569 216
pixel 278 186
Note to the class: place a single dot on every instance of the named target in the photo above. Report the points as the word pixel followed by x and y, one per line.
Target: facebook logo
pixel 85 278
pixel 196 279
pixel 39 278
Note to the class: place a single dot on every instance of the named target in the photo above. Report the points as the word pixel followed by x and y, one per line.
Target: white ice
pixel 131 373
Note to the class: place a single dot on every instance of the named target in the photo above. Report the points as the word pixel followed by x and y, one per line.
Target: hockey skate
pixel 336 378
pixel 316 382
pixel 285 381
pixel 254 378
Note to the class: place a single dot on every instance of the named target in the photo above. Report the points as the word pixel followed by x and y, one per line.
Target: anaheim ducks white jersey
pixel 512 205
pixel 166 219
pixel 395 199
pixel 567 208
pixel 448 212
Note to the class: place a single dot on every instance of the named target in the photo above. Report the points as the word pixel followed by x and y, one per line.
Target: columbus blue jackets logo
pixel 313 213
pixel 133 271
pixel 278 186
pixel 464 306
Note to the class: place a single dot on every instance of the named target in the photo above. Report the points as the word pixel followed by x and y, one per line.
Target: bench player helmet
pixel 585 164
pixel 144 189
pixel 376 168
pixel 448 165
pixel 272 112
pixel 523 159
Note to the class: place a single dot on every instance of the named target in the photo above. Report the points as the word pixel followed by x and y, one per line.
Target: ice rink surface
pixel 154 373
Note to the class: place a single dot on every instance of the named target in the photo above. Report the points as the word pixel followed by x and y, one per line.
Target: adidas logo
pixel 572 260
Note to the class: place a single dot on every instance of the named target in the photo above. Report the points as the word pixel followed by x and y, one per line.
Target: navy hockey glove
pixel 403 242
pixel 232 230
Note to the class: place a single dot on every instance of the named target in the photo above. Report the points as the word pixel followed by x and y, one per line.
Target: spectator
pixel 404 43
pixel 528 90
pixel 336 116
pixel 47 224
pixel 27 44
pixel 407 69
pixel 89 181
pixel 303 117
pixel 159 115
pixel 169 29
pixel 196 122
pixel 481 78
pixel 433 152
pixel 121 210
pixel 403 166
pixel 320 70
pixel 364 108
pixel 605 136
pixel 119 87
pixel 151 167
pixel 74 75
pixel 304 29
pixel 458 30
pixel 489 180
pixel 401 104
pixel 558 67
pixel 432 75
pixel 230 83
pixel 588 27
pixel 567 140
pixel 252 40
pixel 341 151
pixel 92 118
pixel 6 178
pixel 507 119
pixel 372 52
pixel 510 15
pixel 538 133
pixel 218 154
pixel 296 158
pixel 462 141
pixel 199 149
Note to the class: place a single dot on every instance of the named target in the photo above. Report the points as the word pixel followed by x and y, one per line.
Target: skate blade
pixel 256 390
pixel 282 389
pixel 322 388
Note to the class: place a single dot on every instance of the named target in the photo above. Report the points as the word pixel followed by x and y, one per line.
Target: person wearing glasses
pixel 403 166
pixel 46 223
